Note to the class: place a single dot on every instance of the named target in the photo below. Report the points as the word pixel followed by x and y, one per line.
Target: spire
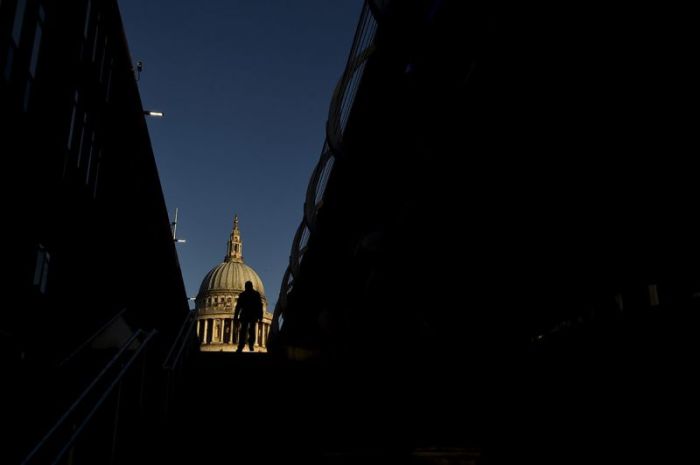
pixel 235 246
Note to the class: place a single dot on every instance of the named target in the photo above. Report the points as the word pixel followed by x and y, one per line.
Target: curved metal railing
pixel 339 114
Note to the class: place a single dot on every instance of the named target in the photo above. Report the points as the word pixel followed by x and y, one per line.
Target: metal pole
pixel 174 225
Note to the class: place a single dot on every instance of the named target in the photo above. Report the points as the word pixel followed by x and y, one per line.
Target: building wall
pixel 87 229
pixel 484 175
pixel 506 235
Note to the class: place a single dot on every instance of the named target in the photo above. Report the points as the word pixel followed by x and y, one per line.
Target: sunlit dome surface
pixel 231 276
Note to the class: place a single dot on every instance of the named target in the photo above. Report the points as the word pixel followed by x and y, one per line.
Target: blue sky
pixel 245 88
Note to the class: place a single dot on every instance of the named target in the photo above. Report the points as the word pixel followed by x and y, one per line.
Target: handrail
pixel 80 398
pixel 184 343
pixel 91 338
pixel 102 398
pixel 186 323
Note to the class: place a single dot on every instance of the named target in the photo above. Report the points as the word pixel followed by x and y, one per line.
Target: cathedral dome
pixel 217 327
pixel 231 276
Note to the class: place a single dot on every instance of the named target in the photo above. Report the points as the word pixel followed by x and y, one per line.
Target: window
pixel 34 58
pixel 73 117
pixel 81 145
pixel 86 30
pixel 103 60
pixel 19 21
pixel 41 269
pixel 27 93
pixel 37 44
pixel 88 166
pixel 74 139
pixel 280 321
pixel 87 20
pixel 8 63
pixel 108 86
pixel 95 40
pixel 16 35
pixel 97 174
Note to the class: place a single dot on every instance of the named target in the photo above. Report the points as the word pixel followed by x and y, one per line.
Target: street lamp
pixel 153 113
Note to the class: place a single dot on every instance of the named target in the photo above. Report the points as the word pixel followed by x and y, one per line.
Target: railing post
pixel 142 381
pixel 112 458
pixel 71 452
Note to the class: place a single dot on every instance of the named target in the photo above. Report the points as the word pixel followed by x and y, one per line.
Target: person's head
pixel 248 286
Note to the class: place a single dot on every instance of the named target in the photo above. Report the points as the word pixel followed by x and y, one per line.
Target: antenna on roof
pixel 173 226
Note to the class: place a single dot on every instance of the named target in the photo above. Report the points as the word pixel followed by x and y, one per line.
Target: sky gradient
pixel 245 87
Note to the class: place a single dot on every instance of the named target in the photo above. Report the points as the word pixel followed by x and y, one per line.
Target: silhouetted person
pixel 249 310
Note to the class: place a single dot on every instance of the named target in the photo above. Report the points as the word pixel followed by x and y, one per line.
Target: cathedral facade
pixel 217 299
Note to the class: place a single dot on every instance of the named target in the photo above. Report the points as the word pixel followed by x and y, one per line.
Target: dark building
pixel 92 282
pixel 499 236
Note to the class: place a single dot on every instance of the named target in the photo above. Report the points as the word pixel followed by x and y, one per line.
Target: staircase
pixel 251 408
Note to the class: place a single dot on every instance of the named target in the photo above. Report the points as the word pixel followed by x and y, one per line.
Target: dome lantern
pixel 235 245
